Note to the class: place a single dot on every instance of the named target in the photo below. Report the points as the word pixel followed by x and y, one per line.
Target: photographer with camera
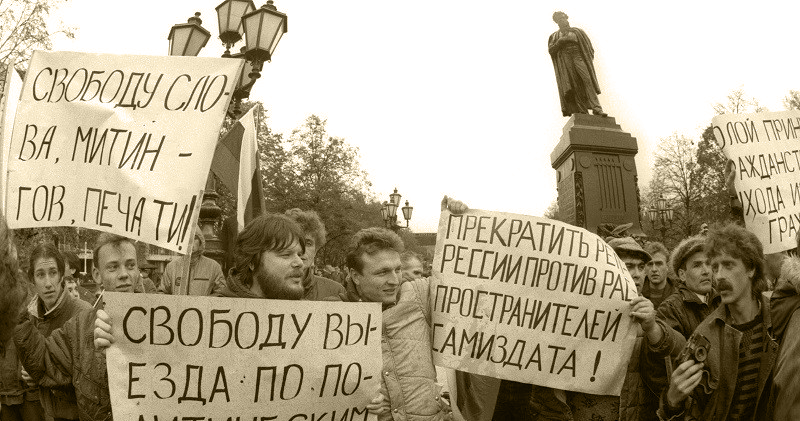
pixel 735 340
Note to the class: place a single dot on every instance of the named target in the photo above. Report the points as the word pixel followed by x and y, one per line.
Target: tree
pixel 792 101
pixel 738 103
pixel 313 170
pixel 672 177
pixel 25 26
pixel 552 211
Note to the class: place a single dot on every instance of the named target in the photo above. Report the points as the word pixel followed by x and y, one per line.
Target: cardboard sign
pixel 765 150
pixel 116 143
pixel 247 359
pixel 532 300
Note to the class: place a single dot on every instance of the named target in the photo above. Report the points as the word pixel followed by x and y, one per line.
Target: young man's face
pixel 635 266
pixel 379 277
pixel 734 280
pixel 311 250
pixel 72 289
pixel 657 270
pixel 412 269
pixel 47 280
pixel 117 268
pixel 696 274
pixel 280 273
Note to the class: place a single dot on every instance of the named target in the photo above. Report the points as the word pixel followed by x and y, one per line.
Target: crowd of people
pixel 717 332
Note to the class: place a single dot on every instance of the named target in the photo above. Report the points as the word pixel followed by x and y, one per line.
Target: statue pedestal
pixel 596 174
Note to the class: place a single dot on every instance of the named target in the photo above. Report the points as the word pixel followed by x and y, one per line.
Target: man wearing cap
pixel 680 313
pixel 634 257
pixel 634 402
pixel 205 275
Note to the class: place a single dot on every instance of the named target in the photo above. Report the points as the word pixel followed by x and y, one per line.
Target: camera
pixel 696 349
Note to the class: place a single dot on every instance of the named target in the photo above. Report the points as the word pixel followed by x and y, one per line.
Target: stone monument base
pixel 596 174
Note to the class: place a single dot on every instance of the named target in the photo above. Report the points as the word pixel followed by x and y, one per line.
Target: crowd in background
pixel 715 316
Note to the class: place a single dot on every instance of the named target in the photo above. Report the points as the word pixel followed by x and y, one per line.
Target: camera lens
pixel 700 354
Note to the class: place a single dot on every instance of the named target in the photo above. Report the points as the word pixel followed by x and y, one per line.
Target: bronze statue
pixel 572 55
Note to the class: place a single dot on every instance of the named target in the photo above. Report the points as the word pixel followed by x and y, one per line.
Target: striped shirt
pixel 743 405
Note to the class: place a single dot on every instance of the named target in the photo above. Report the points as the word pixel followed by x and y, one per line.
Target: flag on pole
pixel 10 90
pixel 236 164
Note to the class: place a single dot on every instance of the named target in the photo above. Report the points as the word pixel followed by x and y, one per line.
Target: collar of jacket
pixel 235 288
pixel 42 313
pixel 720 314
pixel 691 297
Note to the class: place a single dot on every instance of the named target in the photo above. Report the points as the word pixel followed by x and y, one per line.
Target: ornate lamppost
pixel 261 30
pixel 660 215
pixel 389 211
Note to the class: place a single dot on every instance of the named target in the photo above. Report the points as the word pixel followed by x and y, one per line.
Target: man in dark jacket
pixel 267 260
pixel 316 288
pixel 680 314
pixel 736 369
pixel 657 284
pixel 53 307
pixel 68 356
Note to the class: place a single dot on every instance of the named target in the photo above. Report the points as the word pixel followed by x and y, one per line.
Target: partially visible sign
pixel 765 151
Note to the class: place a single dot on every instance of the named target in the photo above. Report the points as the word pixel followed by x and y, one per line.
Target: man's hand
pixel 730 177
pixel 27 378
pixel 684 379
pixel 103 328
pixel 379 403
pixel 453 205
pixel 643 312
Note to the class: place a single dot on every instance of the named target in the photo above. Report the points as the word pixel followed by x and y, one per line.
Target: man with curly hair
pixel 735 379
pixel 316 287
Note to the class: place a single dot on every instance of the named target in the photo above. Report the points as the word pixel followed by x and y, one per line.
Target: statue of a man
pixel 572 55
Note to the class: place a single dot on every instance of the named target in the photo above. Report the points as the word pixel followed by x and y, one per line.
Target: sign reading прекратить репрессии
pixel 532 300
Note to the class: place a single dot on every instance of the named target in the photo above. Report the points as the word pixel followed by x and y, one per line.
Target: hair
pixel 72 260
pixel 12 289
pixel 741 244
pixel 106 238
pixel 370 241
pixel 559 13
pixel 655 247
pixel 45 251
pixel 268 232
pixel 797 240
pixel 408 256
pixel 310 222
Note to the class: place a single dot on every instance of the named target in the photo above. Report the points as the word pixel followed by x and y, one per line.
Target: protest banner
pixel 116 143
pixel 531 300
pixel 241 359
pixel 765 152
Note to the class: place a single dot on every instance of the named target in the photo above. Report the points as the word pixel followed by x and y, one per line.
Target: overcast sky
pixel 459 97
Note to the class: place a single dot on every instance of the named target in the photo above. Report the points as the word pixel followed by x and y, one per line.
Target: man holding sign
pixel 374 273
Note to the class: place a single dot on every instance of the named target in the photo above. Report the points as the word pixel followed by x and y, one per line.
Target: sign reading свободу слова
pixel 532 300
pixel 117 143
pixel 241 359
pixel 765 152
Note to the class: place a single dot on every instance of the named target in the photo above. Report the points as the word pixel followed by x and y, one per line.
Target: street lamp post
pixel 261 30
pixel 389 211
pixel 660 216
